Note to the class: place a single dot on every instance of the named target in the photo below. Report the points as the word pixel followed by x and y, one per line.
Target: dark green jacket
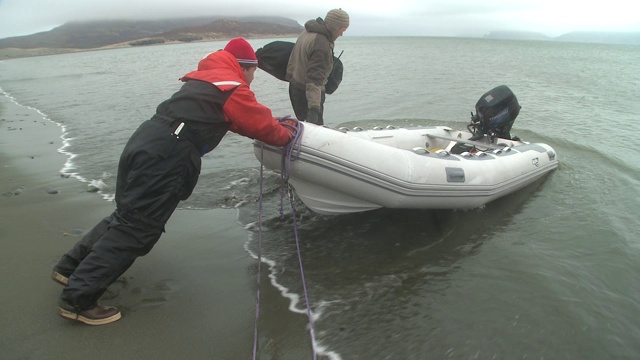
pixel 311 61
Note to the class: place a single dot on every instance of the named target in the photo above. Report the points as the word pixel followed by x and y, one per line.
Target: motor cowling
pixel 496 112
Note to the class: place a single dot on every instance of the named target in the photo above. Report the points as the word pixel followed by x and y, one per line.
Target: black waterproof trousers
pixel 157 169
pixel 298 97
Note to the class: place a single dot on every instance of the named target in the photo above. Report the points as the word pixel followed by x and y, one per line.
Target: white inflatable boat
pixel 342 171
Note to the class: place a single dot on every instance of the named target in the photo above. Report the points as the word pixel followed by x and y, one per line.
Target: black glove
pixel 313 116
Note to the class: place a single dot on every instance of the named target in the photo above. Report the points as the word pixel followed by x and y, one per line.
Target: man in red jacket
pixel 158 168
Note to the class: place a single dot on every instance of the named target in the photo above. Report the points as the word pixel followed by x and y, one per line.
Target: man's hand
pixel 290 122
pixel 290 125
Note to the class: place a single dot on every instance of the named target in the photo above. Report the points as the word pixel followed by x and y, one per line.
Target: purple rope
pixel 255 328
pixel 304 283
pixel 293 147
pixel 290 153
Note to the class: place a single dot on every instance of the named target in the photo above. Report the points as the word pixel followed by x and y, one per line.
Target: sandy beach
pixel 192 297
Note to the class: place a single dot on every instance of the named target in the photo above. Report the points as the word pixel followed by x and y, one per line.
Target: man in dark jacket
pixel 158 168
pixel 311 62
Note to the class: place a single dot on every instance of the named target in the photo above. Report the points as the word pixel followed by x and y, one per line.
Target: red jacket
pixel 240 108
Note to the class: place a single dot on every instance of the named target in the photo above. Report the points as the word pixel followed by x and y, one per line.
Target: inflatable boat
pixel 338 171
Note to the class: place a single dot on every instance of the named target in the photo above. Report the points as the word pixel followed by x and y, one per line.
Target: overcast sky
pixel 368 17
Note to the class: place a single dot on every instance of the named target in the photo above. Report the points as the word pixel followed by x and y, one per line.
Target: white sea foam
pixel 294 299
pixel 68 168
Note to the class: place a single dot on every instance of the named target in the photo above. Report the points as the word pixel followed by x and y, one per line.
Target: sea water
pixel 550 272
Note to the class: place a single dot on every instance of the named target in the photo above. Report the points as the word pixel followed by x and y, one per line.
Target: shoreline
pixel 19 53
pixel 193 296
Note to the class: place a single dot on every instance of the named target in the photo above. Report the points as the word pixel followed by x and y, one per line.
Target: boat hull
pixel 343 172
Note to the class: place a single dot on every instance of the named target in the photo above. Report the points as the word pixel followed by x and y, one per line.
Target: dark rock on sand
pixel 16 191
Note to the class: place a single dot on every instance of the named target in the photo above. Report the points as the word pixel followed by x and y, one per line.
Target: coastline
pixel 192 297
pixel 17 53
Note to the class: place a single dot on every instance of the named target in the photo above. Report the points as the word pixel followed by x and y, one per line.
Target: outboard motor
pixel 496 111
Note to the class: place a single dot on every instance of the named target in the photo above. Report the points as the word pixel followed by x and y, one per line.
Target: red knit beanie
pixel 242 51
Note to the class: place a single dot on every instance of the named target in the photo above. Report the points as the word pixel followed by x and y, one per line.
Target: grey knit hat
pixel 336 19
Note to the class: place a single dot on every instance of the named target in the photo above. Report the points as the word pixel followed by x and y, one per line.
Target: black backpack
pixel 335 77
pixel 274 58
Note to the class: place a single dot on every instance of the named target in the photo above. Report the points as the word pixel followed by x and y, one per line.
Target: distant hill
pixel 86 35
pixel 630 38
pixel 516 35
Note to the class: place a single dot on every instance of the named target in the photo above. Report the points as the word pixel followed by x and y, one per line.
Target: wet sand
pixel 192 297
